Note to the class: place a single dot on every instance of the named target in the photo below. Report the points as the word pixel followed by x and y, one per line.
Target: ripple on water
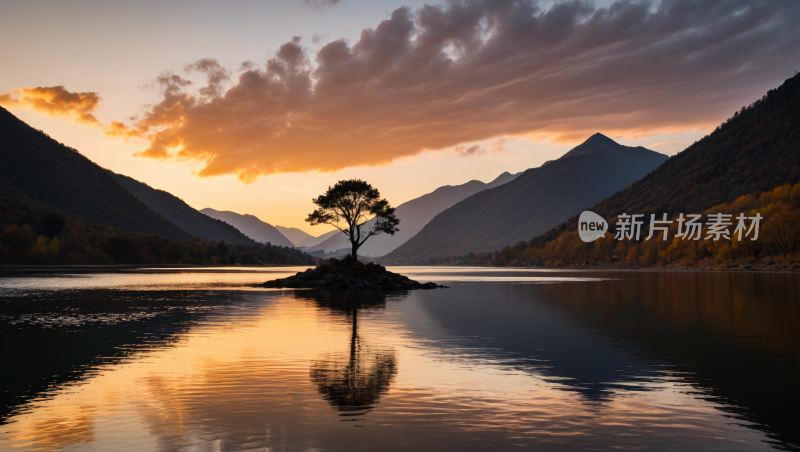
pixel 587 361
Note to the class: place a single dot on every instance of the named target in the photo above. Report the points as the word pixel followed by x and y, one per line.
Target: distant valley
pixel 48 190
pixel 59 207
pixel 250 226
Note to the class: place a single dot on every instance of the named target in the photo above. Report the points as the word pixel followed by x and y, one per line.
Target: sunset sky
pixel 258 106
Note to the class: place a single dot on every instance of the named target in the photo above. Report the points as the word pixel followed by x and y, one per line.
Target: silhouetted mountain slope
pixel 294 235
pixel 643 162
pixel 178 212
pixel 414 215
pixel 49 176
pixel 533 202
pixel 250 226
pixel 755 150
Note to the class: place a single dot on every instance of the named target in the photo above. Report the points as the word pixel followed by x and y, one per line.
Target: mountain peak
pixel 599 138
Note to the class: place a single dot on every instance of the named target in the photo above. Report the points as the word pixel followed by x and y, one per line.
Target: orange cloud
pixel 464 72
pixel 118 129
pixel 459 73
pixel 55 101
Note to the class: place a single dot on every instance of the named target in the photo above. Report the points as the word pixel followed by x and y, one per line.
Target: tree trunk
pixel 354 253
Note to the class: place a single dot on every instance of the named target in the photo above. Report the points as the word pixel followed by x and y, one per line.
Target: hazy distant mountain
pixel 181 214
pixel 329 241
pixel 52 177
pixel 250 226
pixel 313 241
pixel 413 216
pixel 294 235
pixel 533 202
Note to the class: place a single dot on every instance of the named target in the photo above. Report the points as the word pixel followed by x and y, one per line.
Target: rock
pixel 344 275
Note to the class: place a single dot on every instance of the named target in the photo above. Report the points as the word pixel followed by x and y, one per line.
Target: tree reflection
pixel 354 381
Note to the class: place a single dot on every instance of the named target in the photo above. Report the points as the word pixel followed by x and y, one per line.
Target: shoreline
pixel 751 267
pixel 8 270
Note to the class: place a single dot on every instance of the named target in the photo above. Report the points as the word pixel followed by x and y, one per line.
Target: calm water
pixel 197 360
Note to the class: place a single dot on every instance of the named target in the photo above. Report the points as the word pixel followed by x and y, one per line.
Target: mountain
pixel 413 216
pixel 181 214
pixel 755 150
pixel 294 235
pixel 327 242
pixel 753 153
pixel 533 202
pixel 250 226
pixel 313 241
pixel 49 176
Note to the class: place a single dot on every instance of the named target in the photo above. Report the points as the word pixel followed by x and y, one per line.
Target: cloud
pixel 473 71
pixel 468 151
pixel 465 72
pixel 318 38
pixel 499 145
pixel 55 101
pixel 323 4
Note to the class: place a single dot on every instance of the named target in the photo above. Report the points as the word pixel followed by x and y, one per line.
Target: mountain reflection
pixel 353 381
pixel 637 331
pixel 636 361
pixel 731 344
pixel 510 326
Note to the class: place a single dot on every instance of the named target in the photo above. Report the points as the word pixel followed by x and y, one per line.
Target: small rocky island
pixel 349 274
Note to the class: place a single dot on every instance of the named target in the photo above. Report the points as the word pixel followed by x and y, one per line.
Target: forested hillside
pixel 51 177
pixel 28 237
pixel 749 164
pixel 181 214
pixel 777 245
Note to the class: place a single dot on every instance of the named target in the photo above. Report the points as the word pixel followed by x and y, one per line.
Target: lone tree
pixel 355 208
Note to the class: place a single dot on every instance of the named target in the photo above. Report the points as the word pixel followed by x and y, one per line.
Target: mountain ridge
pixel 414 215
pixel 52 177
pixel 295 235
pixel 251 226
pixel 181 214
pixel 509 213
pixel 755 150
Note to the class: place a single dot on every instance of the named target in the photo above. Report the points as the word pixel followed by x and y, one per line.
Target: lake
pixel 503 359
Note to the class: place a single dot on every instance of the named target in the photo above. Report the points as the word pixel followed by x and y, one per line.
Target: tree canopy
pixel 355 208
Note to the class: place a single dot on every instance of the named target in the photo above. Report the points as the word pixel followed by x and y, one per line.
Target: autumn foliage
pixel 779 237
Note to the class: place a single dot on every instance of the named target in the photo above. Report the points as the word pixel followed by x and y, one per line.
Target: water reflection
pixel 612 361
pixel 726 338
pixel 510 325
pixel 55 339
pixel 55 433
pixel 730 337
pixel 353 381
